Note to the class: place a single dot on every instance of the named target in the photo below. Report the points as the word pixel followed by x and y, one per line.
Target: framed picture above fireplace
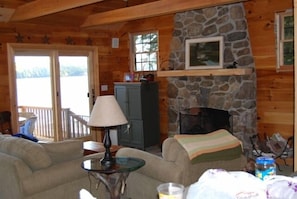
pixel 204 53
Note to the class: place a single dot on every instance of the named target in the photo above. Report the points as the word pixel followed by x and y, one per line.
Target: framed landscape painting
pixel 204 53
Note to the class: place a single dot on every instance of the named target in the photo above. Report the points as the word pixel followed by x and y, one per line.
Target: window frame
pixel 133 53
pixel 279 21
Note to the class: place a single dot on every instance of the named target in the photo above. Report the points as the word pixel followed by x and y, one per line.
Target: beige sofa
pixel 173 166
pixel 31 170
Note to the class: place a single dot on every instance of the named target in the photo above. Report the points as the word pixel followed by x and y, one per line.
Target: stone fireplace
pixel 235 94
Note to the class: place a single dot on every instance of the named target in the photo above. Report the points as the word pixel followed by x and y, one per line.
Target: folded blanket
pixel 199 144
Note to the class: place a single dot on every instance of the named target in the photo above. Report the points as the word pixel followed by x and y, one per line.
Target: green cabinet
pixel 140 103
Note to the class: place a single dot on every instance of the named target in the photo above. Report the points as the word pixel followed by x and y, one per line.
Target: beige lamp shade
pixel 107 113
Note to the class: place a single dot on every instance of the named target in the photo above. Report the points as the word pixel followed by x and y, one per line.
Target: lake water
pixel 37 92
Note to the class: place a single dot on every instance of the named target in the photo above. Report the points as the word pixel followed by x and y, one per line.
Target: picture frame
pixel 204 53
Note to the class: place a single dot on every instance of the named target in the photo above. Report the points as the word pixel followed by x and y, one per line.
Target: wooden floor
pixel 286 170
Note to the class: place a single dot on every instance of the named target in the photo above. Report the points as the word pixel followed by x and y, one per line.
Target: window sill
pixel 287 68
pixel 206 72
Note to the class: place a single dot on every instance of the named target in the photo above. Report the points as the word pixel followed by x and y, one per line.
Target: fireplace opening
pixel 203 120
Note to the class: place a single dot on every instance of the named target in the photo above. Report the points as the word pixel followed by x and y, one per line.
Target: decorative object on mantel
pixel 204 53
pixel 69 40
pixel 45 39
pixel 19 38
pixel 234 65
pixel 89 41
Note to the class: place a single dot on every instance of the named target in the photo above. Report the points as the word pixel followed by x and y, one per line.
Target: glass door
pixel 34 95
pixel 56 90
pixel 74 93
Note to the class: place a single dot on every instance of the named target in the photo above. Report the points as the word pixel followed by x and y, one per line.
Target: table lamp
pixel 107 114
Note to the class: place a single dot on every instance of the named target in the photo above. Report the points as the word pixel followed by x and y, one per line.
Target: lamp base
pixel 107 162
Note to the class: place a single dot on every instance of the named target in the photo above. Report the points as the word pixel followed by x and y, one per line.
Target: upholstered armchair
pixel 173 166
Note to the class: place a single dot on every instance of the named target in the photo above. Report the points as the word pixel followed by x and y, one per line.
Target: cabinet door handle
pixel 127 130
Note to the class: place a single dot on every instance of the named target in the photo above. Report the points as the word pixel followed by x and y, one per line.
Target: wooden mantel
pixel 205 72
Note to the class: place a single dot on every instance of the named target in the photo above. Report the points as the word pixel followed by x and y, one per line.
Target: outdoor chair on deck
pixel 29 126
pixel 27 129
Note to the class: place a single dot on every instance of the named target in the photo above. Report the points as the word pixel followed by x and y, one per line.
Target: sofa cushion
pixel 30 152
pixel 54 176
pixel 64 150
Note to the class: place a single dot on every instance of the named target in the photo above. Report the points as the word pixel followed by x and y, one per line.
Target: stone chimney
pixel 235 94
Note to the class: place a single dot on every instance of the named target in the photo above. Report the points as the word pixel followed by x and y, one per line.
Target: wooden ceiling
pixel 91 13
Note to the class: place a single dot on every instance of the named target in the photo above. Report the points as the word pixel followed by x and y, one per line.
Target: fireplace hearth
pixel 203 120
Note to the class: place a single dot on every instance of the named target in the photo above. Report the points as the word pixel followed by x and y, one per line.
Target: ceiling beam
pixel 153 9
pixel 40 8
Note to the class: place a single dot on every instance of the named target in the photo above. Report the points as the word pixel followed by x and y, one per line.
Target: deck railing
pixel 73 126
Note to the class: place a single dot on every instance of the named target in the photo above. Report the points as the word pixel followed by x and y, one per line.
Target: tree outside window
pixel 285 40
pixel 145 51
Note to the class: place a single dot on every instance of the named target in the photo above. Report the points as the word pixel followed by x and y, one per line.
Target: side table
pixel 114 177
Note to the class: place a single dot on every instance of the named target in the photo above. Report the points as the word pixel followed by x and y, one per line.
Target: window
pixel 144 51
pixel 284 40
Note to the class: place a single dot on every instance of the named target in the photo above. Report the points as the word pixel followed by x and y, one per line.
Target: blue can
pixel 265 166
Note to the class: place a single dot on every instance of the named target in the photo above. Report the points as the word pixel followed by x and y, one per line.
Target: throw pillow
pixel 32 153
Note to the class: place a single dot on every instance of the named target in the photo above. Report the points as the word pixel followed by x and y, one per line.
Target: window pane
pixel 137 39
pixel 146 47
pixel 146 38
pixel 145 51
pixel 153 66
pixel 153 57
pixel 138 48
pixel 288 27
pixel 145 57
pixel 285 40
pixel 138 58
pixel 138 67
pixel 288 53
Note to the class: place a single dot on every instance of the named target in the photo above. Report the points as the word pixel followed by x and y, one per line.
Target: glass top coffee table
pixel 113 177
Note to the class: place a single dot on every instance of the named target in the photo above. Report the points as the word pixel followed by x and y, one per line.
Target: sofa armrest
pixel 155 166
pixel 64 150
pixel 12 171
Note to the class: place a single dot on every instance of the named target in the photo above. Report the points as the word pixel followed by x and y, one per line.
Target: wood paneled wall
pixel 113 65
pixel 275 90
pixel 113 62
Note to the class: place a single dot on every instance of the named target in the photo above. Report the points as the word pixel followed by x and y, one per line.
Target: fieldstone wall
pixel 236 94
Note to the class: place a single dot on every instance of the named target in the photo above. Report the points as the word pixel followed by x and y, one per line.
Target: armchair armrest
pixel 155 167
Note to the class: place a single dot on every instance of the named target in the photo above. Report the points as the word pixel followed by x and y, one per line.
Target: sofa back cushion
pixel 33 154
pixel 64 150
